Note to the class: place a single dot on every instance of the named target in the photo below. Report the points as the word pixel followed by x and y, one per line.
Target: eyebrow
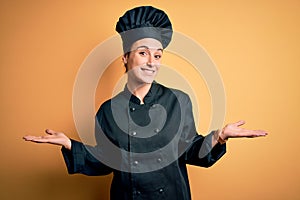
pixel 146 47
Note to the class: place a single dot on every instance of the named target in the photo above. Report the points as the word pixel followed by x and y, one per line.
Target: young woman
pixel 146 134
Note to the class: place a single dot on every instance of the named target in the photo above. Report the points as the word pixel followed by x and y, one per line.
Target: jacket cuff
pixel 74 158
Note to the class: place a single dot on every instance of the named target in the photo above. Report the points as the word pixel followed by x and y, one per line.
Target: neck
pixel 139 90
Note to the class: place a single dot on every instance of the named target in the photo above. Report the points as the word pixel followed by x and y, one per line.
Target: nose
pixel 150 61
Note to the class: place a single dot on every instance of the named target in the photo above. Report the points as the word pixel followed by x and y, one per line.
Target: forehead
pixel 148 43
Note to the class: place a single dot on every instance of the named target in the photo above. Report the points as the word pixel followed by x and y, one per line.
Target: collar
pixel 150 97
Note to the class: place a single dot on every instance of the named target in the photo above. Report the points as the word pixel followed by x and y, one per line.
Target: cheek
pixel 158 62
pixel 133 66
pixel 137 61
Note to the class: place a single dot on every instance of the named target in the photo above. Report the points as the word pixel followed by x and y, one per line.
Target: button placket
pixel 131 132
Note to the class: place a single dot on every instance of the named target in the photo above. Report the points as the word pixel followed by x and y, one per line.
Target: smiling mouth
pixel 148 70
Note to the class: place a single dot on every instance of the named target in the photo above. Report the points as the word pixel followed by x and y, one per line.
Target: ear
pixel 125 58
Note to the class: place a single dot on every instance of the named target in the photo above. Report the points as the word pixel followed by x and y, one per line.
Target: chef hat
pixel 144 22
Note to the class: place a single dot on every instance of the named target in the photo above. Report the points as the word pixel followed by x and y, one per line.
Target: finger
pixel 35 138
pixel 261 133
pixel 28 137
pixel 256 133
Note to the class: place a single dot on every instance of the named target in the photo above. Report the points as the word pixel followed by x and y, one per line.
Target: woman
pixel 146 134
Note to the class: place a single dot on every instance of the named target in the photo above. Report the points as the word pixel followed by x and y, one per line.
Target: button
pixel 133 133
pixel 135 162
pixel 158 159
pixel 187 141
pixel 156 130
pixel 161 190
pixel 132 109
pixel 138 192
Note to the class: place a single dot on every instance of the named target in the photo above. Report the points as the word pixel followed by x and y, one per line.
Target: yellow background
pixel 255 45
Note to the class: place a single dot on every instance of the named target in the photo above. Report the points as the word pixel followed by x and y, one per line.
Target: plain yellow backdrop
pixel 254 44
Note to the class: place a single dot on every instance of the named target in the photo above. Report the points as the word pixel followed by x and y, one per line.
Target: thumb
pixel 50 132
pixel 240 123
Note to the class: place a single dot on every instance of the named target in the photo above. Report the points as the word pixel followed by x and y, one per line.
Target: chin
pixel 148 81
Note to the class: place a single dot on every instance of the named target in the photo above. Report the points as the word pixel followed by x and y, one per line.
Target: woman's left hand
pixel 235 131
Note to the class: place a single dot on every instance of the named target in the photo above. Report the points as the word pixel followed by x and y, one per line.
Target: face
pixel 143 62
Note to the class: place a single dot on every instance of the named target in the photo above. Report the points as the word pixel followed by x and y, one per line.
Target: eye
pixel 143 53
pixel 157 56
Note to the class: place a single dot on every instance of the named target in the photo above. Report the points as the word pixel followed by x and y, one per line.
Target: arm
pixel 80 160
pixel 200 151
pixel 205 151
pixel 77 158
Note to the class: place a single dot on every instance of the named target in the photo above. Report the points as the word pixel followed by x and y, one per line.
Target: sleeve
pixel 199 150
pixel 85 159
pixel 80 160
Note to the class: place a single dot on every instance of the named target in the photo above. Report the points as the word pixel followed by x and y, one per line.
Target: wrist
pixel 68 144
pixel 220 136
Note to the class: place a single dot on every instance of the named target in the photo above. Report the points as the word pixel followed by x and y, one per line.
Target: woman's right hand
pixel 53 137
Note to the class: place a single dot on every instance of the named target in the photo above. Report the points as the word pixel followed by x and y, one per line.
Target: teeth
pixel 148 70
